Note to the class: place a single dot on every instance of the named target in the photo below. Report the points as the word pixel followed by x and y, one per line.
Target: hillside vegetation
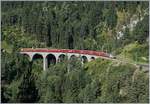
pixel 119 28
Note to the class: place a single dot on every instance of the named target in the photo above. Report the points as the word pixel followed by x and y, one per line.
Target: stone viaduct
pixel 56 55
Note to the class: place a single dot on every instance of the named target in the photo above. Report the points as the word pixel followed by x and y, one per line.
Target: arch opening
pixel 62 58
pixel 84 59
pixel 37 56
pixel 73 57
pixel 92 58
pixel 27 55
pixel 37 62
pixel 51 60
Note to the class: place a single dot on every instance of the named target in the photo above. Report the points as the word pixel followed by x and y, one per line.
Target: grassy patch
pixel 135 53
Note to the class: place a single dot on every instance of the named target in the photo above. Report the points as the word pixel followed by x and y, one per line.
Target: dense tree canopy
pixel 117 27
pixel 60 24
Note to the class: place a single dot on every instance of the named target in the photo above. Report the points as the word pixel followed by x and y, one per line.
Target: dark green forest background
pixel 120 28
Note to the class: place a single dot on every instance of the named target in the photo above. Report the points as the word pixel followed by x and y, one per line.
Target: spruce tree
pixel 27 89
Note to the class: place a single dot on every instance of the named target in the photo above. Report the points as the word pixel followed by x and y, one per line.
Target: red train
pixel 88 52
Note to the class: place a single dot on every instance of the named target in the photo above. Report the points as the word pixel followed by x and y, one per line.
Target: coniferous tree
pixel 27 89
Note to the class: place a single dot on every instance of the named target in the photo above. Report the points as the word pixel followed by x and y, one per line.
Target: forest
pixel 117 27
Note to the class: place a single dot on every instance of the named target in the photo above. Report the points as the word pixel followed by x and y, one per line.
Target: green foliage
pixel 74 25
pixel 139 85
pixel 27 89
pixel 116 83
pixel 110 16
pixel 12 90
pixel 140 33
pixel 89 44
pixel 13 68
pixel 18 39
pixel 135 52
